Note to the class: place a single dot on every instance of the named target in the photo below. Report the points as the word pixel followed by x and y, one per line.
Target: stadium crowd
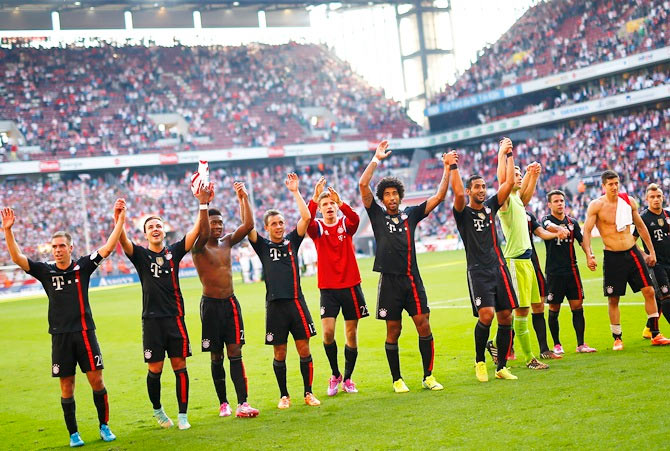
pixel 562 35
pixel 75 101
pixel 637 145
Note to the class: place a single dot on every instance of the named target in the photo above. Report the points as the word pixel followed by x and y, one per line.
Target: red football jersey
pixel 337 264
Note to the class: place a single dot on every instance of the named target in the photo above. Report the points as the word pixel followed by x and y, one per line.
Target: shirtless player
pixel 219 309
pixel 623 261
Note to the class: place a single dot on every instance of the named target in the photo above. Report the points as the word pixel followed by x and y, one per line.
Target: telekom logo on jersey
pixel 479 224
pixel 274 253
pixel 58 282
pixel 658 234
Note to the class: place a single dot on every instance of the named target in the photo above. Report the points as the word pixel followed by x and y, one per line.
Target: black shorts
pixel 541 281
pixel 624 267
pixel 560 287
pixel 398 292
pixel 284 316
pixel 661 275
pixel 221 323
pixel 72 348
pixel 161 335
pixel 351 300
pixel 491 287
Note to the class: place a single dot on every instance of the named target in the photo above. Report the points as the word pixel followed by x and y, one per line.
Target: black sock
pixel 69 413
pixel 540 328
pixel 350 356
pixel 427 350
pixel 481 337
pixel 579 324
pixel 280 373
pixel 182 389
pixel 393 359
pixel 652 324
pixel 219 378
pixel 154 388
pixel 101 405
pixel 331 353
pixel 307 371
pixel 664 308
pixel 504 343
pixel 239 376
pixel 553 326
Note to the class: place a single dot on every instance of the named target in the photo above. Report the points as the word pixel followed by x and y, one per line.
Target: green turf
pixel 586 401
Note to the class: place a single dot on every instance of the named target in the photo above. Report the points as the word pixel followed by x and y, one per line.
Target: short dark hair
pixel 555 192
pixel 61 233
pixel 214 212
pixel 472 178
pixel 149 219
pixel 608 175
pixel 390 182
pixel 267 214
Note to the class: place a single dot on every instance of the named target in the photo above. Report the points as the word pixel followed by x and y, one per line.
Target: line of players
pixel 500 282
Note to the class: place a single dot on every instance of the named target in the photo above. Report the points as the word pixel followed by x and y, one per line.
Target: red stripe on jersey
pixel 508 288
pixel 640 269
pixel 237 320
pixel 175 287
pixel 184 337
pixel 571 246
pixel 495 240
pixel 417 301
pixel 355 299
pixel 82 309
pixel 295 275
pixel 540 281
pixel 89 352
pixel 302 317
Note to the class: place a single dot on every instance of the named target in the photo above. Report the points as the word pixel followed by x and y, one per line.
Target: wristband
pixel 509 154
pixel 453 166
pixel 376 160
pixel 204 206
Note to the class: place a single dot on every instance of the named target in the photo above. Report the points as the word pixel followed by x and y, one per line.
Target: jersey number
pixel 364 310
pixel 98 360
pixel 312 329
pixel 241 334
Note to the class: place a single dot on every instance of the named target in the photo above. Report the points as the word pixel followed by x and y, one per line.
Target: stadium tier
pixel 560 35
pixel 105 100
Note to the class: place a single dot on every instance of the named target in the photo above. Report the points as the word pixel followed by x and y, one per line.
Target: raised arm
pixel 119 225
pixel 591 215
pixel 247 214
pixel 448 159
pixel 529 182
pixel 305 217
pixel 501 171
pixel 642 230
pixel 197 237
pixel 506 187
pixel 458 190
pixel 351 218
pixel 366 177
pixel 8 219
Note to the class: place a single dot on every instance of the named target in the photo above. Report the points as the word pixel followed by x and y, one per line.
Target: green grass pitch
pixel 592 401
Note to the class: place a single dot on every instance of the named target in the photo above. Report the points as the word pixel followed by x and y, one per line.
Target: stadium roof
pixel 147 4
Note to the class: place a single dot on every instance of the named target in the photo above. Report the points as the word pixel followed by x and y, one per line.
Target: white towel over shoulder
pixel 624 213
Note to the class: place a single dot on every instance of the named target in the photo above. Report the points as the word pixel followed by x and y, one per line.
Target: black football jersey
pixel 659 230
pixel 394 234
pixel 67 290
pixel 561 258
pixel 480 235
pixel 159 275
pixel 280 265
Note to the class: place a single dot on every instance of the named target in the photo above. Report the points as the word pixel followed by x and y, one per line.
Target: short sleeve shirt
pixel 67 290
pixel 395 234
pixel 280 264
pixel 479 234
pixel 561 258
pixel 659 231
pixel 159 274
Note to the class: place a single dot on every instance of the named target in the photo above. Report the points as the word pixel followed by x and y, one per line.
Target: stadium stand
pixel 107 100
pixel 561 35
